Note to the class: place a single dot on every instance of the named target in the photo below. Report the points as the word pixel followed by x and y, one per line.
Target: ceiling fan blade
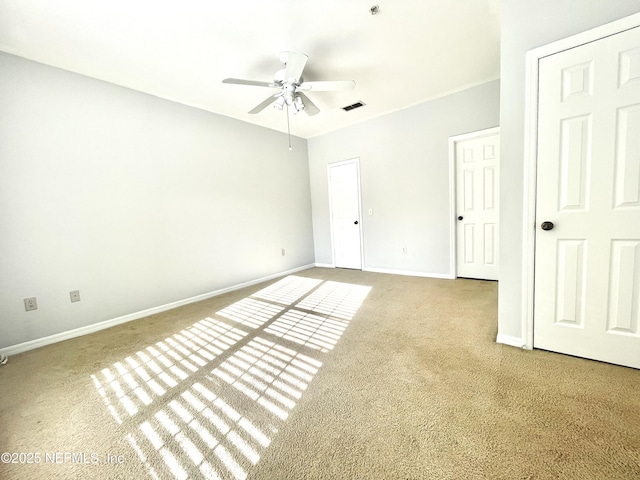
pixel 295 66
pixel 327 86
pixel 309 106
pixel 263 105
pixel 239 81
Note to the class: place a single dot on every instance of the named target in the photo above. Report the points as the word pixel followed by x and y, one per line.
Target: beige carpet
pixel 326 374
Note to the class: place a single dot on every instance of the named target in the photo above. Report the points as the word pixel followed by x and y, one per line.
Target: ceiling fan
pixel 291 84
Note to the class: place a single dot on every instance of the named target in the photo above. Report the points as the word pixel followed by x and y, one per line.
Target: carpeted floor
pixel 326 374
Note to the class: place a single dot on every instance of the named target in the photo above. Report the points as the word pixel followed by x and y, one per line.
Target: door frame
pixel 355 160
pixel 453 194
pixel 531 153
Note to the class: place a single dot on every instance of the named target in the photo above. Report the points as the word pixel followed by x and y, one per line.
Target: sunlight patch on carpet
pixel 207 401
pixel 288 290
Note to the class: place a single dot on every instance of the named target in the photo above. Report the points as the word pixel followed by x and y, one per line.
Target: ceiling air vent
pixel 355 105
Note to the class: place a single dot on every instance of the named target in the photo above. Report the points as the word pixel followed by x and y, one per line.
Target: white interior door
pixel 344 197
pixel 477 197
pixel 587 255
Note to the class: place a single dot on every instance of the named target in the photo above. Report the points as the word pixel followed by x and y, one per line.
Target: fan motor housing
pixel 280 76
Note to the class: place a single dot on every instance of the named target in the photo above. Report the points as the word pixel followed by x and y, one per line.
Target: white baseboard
pixel 509 340
pixel 396 272
pixel 96 327
pixel 446 276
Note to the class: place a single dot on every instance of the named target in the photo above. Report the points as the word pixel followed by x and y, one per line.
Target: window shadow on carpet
pixel 208 401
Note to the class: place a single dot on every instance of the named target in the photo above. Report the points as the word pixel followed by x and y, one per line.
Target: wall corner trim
pixel 96 327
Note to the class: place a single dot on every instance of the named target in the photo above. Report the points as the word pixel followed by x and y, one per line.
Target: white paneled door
pixel 587 253
pixel 477 181
pixel 344 198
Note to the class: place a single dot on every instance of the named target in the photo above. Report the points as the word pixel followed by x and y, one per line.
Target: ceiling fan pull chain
pixel 288 129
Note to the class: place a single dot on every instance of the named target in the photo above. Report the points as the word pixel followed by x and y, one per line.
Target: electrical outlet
pixel 74 295
pixel 404 250
pixel 30 304
pixel 283 252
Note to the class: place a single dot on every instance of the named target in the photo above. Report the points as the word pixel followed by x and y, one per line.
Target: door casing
pixel 337 164
pixel 531 153
pixel 453 254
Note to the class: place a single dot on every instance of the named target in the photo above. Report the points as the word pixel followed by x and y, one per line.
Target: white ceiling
pixel 411 51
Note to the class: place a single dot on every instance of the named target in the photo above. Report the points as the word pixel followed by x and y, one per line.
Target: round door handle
pixel 460 217
pixel 547 225
pixel 356 222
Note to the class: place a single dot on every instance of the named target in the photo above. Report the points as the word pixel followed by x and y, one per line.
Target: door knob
pixel 356 222
pixel 547 225
pixel 460 217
